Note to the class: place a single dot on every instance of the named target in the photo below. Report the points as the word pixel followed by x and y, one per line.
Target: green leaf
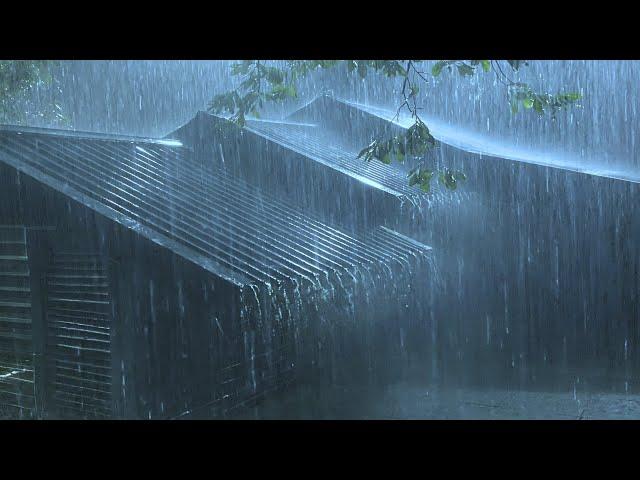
pixel 437 68
pixel 538 106
pixel 241 68
pixel 486 65
pixel 280 92
pixel 426 175
pixel 448 179
pixel 527 103
pixel 422 177
pixel 459 176
pixel 465 70
pixel 516 64
pixel 275 75
pixel 367 152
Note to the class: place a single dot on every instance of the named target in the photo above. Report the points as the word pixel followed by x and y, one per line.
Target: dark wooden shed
pixel 137 282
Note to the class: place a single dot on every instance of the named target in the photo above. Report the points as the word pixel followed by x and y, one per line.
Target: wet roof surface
pixel 156 188
pixel 313 142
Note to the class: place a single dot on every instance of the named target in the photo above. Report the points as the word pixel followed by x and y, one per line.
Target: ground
pixel 407 401
pixel 404 401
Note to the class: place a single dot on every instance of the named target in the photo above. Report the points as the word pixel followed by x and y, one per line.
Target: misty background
pixel 151 98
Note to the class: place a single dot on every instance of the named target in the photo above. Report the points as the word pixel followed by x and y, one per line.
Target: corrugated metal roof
pixel 157 188
pixel 312 141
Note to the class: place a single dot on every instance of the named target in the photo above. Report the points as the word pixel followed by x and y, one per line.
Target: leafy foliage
pixel 267 83
pixel 516 64
pixel 465 69
pixel 415 142
pixel 422 177
pixel 264 83
pixel 521 94
pixel 17 79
